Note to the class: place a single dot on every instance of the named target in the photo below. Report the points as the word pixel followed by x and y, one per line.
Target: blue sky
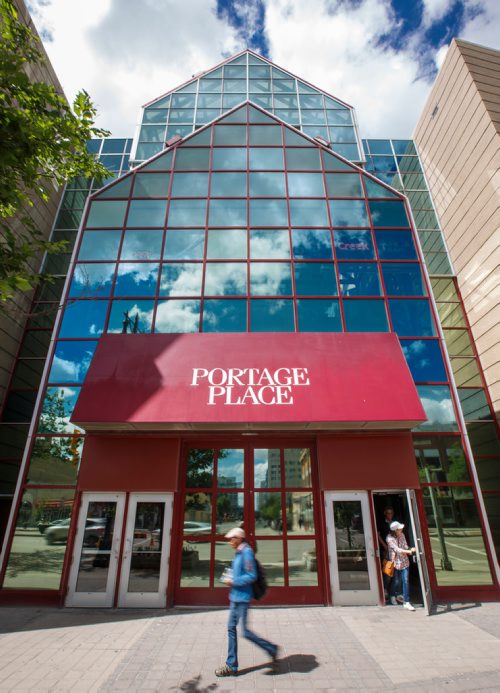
pixel 380 56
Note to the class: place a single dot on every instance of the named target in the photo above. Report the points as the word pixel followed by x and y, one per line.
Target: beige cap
pixel 236 532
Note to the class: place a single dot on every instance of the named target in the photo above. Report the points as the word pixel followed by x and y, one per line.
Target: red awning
pixel 248 381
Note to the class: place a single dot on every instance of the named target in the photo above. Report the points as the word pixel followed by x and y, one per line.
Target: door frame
pixel 370 597
pixel 144 600
pixel 425 582
pixel 96 599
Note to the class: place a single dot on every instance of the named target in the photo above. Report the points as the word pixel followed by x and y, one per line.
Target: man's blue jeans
pixel 401 576
pixel 237 611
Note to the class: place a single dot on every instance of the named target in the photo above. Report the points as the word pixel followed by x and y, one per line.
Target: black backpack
pixel 260 584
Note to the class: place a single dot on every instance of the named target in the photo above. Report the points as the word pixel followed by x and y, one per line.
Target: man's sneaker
pixel 226 671
pixel 400 599
pixel 393 601
pixel 408 606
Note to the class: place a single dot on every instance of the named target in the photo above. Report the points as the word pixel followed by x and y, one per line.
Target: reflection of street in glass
pixel 467 553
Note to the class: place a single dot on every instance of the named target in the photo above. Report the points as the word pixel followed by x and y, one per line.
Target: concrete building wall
pixel 458 139
pixel 12 323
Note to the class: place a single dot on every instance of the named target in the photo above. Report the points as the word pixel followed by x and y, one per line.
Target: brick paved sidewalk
pixel 323 649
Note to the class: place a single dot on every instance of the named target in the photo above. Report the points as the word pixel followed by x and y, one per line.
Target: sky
pixel 380 56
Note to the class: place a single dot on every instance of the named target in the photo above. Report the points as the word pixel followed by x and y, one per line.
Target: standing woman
pixel 398 553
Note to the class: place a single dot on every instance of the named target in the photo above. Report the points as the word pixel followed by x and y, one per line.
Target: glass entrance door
pixel 96 551
pixel 144 572
pixel 420 555
pixel 267 490
pixel 142 555
pixel 353 573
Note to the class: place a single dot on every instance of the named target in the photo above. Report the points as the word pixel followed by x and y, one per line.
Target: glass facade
pixel 247 225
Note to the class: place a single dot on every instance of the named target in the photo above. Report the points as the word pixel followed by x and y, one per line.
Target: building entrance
pixel 121 550
pixel 271 493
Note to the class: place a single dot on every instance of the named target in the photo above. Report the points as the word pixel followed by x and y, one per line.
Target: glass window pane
pixel 302 563
pixel 354 245
pixel 192 159
pixel 151 184
pixel 224 315
pixel 230 134
pixel 466 372
pixel 232 86
pixel 55 460
pixel 299 513
pixel 265 134
pixel 388 213
pixel 305 159
pixel 440 459
pixel 141 245
pixel 424 359
pixel 312 244
pixel 269 244
pixel 484 439
pixel 438 406
pixel 228 185
pixel 412 317
pixel 365 316
pixel 403 279
pixel 267 468
pixel 230 468
pixel 84 319
pixel 306 185
pixel 147 213
pixel 271 316
pixel 359 279
pixel 227 212
pixel 343 185
pixel 187 213
pixel 184 244
pixel 348 213
pixel 190 184
pixel 177 316
pixel 25 570
pixel 130 316
pixel 308 213
pixel 315 279
pixel 297 464
pixel 318 315
pixel 451 315
pixel 106 213
pixel 195 565
pixel 227 243
pixel 229 158
pixel 229 512
pixel 455 531
pixel 268 514
pixel 99 245
pixel 267 184
pixel 91 280
pixel 268 212
pixel 395 245
pixel 474 403
pixel 492 504
pixel 136 279
pixel 351 548
pixel 270 279
pixel 266 158
pixel 71 361
pixel 182 279
pixel 489 479
pixel 226 279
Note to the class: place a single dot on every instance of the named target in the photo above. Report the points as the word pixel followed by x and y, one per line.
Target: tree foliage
pixel 42 144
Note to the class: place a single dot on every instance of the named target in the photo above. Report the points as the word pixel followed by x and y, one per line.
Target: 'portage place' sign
pixel 240 386
pixel 248 381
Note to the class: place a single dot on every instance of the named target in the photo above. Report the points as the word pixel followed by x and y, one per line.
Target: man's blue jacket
pixel 244 574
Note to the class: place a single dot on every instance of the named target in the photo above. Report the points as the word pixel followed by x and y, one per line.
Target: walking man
pixel 240 579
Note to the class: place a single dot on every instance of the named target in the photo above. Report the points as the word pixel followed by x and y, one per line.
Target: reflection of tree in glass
pixel 270 510
pixel 224 507
pixel 201 467
pixel 54 419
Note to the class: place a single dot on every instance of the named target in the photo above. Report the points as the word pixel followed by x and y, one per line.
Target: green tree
pixel 42 144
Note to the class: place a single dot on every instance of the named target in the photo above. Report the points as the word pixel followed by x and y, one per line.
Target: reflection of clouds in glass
pixel 64 369
pixel 118 310
pixel 312 243
pixel 178 316
pixel 141 245
pixel 137 272
pixel 181 280
pixel 225 279
pixel 260 473
pixel 269 244
pixel 270 278
pixel 411 352
pixel 228 243
pixel 348 213
pixel 438 407
pixel 92 277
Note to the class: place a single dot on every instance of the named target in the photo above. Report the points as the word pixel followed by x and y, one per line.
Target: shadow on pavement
pixel 192 686
pixel 298 663
pixel 440 609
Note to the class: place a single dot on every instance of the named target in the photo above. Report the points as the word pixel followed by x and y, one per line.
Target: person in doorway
pixel 242 575
pixel 384 528
pixel 398 553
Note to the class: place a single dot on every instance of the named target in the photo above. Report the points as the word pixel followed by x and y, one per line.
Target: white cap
pixel 395 525
pixel 236 532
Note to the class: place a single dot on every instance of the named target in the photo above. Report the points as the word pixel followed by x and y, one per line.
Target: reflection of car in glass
pixel 197 528
pixel 59 531
pixel 43 524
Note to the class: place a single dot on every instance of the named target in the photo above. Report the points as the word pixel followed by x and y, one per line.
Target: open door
pixel 421 562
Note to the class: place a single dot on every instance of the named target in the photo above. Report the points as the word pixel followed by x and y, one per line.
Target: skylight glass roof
pixel 247 77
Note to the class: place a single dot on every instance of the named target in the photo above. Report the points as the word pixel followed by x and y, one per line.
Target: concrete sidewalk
pixel 323 649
